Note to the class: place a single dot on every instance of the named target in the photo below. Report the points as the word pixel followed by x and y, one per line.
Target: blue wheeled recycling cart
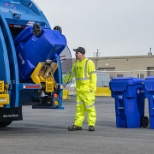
pixel 149 93
pixel 129 101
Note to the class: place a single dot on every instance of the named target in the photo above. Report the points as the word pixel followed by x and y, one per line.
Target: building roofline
pixel 123 57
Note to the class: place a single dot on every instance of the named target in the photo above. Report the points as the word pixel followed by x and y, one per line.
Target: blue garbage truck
pixel 33 57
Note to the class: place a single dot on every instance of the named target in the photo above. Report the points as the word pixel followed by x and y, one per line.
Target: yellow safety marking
pixel 103 91
pixel 66 94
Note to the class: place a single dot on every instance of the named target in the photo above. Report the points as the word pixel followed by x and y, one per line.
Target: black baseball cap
pixel 80 49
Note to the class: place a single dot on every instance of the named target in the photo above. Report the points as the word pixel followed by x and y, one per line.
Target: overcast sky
pixel 114 27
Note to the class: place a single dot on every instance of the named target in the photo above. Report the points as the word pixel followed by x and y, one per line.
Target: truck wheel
pixel 58 28
pixel 5 124
pixel 144 122
pixel 37 30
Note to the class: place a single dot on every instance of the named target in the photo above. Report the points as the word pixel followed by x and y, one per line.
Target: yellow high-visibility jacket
pixel 85 74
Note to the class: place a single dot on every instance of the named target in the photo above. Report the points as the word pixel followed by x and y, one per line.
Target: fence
pixel 103 83
pixel 132 73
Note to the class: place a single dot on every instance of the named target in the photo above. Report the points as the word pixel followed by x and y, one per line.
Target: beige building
pixel 119 66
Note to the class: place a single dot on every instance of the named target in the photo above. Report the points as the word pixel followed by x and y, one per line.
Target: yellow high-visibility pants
pixel 85 103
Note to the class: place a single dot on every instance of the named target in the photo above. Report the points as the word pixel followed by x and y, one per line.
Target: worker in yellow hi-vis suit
pixel 85 74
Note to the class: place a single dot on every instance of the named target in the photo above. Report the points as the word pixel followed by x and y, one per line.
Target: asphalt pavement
pixel 44 131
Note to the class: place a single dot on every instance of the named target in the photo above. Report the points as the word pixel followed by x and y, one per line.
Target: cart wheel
pixel 37 30
pixel 58 28
pixel 144 122
pixel 5 124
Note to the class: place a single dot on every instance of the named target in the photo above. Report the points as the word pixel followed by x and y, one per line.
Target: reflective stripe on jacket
pixel 85 74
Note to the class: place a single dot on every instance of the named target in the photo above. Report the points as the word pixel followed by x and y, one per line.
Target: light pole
pixel 97 54
pixel 150 53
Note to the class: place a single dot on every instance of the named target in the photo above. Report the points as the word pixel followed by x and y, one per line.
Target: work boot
pixel 73 128
pixel 91 128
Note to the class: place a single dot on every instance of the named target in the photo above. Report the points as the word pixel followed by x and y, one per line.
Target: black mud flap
pixel 11 114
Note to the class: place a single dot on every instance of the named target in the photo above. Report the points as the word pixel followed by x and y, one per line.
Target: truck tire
pixel 37 30
pixel 5 124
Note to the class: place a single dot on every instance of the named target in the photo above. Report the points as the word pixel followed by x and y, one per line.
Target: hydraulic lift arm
pixel 44 75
